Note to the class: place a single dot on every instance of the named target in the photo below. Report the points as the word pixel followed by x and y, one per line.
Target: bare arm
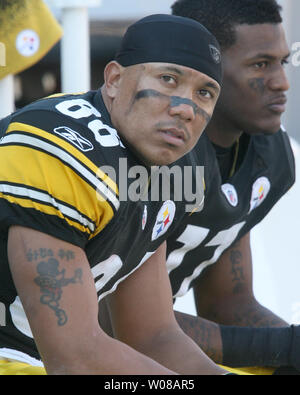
pixel 143 317
pixel 57 291
pixel 224 293
pixel 205 333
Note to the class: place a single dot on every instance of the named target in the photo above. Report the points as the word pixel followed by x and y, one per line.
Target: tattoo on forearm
pixel 206 334
pixel 51 280
pixel 259 317
pixel 238 278
pixel 254 314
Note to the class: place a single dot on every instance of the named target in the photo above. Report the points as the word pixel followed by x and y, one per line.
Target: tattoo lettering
pixel 42 253
pixel 51 281
pixel 68 255
pixel 37 254
pixel 237 271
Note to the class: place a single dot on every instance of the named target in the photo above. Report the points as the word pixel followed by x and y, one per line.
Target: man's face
pixel 161 110
pixel 254 85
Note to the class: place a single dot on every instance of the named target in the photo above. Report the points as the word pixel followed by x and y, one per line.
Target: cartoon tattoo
pixel 51 281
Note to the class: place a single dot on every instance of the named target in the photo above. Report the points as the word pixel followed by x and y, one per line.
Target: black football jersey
pixel 55 156
pixel 232 207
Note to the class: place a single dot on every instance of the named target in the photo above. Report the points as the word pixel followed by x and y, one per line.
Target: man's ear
pixel 112 76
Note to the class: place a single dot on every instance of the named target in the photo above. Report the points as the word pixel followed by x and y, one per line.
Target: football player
pixel 67 237
pixel 250 167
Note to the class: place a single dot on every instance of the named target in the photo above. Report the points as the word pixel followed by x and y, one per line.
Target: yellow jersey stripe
pixel 45 198
pixel 21 127
pixel 45 209
pixel 49 175
pixel 13 368
pixel 62 94
pixel 18 140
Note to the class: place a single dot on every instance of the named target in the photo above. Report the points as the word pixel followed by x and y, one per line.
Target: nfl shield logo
pixel 231 194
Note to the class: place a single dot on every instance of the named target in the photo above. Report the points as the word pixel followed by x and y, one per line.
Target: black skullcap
pixel 171 39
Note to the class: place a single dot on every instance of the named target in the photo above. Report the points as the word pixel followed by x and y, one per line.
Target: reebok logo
pixel 75 138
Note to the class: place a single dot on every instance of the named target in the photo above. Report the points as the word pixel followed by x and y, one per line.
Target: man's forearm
pixel 208 334
pixel 204 333
pixel 173 349
pixel 105 357
pixel 250 314
pixel 244 346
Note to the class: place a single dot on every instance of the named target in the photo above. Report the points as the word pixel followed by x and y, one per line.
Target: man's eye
pixel 205 93
pixel 168 79
pixel 285 62
pixel 261 65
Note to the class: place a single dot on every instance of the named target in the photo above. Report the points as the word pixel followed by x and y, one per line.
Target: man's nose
pixel 183 108
pixel 279 80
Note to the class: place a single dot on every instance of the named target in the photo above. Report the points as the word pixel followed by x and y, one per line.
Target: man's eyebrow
pixel 213 86
pixel 172 69
pixel 269 57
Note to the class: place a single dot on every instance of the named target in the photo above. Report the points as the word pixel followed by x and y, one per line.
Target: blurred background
pixel 275 242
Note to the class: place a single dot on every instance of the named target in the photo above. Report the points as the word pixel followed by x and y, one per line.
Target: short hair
pixel 222 16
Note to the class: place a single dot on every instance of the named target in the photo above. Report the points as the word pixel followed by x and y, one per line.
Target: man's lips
pixel 277 105
pixel 173 136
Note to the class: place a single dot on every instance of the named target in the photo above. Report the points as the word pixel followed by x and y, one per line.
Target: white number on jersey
pixel 80 108
pixel 191 238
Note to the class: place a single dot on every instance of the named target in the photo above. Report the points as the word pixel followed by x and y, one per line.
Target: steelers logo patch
pixel 260 190
pixel 27 42
pixel 164 219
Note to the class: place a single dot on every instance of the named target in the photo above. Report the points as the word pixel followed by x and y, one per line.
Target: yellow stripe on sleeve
pixel 45 209
pixel 29 167
pixel 21 127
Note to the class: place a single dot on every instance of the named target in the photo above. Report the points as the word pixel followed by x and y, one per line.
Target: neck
pixel 222 131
